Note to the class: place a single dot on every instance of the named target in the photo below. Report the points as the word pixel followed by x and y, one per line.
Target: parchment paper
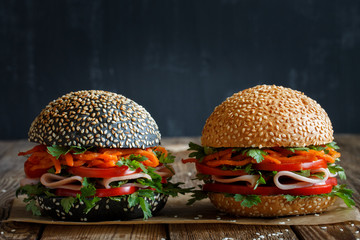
pixel 177 212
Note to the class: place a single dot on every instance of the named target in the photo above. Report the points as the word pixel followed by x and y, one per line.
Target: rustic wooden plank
pixel 223 231
pixel 14 230
pixel 333 231
pixel 143 231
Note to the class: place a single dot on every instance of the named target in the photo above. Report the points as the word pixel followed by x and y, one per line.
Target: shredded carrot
pixel 272 153
pixel 299 158
pixel 56 162
pixel 318 154
pixel 104 158
pixel 89 156
pixel 69 159
pixel 217 155
pixel 216 163
pixel 269 158
pixel 38 148
pixel 161 149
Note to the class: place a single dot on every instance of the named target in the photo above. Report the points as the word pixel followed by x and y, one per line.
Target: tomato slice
pixel 216 171
pixel 101 192
pixel 101 172
pixel 290 166
pixel 31 171
pixel 270 190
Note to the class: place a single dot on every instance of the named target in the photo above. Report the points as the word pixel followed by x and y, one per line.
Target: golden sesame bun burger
pixel 268 151
pixel 97 158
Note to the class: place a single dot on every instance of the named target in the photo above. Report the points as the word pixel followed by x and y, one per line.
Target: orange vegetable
pixel 56 163
pixel 217 155
pixel 216 163
pixel 161 149
pixel 69 159
pixel 38 148
pixel 268 158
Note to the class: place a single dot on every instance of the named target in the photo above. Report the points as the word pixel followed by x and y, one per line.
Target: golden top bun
pixel 267 116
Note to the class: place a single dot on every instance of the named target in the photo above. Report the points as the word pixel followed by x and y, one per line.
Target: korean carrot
pixel 216 163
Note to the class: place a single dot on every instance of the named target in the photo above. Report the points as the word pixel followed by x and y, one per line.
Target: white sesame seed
pixel 13 230
pixel 281 222
pixel 3 190
pixel 356 232
pixel 341 229
pixel 323 228
pixel 175 216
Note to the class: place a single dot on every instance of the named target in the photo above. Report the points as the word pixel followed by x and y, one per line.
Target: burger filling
pixel 248 173
pixel 87 174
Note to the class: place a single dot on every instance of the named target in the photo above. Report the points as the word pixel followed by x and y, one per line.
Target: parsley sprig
pixel 57 151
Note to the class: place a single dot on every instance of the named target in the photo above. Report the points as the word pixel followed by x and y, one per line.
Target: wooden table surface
pixel 11 171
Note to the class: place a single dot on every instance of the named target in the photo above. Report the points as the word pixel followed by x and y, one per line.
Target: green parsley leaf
pixel 289 198
pixel 333 168
pixel 199 151
pixel 248 168
pixel 293 149
pixel 304 173
pixel 318 175
pixel 32 206
pixel 67 203
pixel 333 145
pixel 247 200
pixel 260 180
pixel 117 184
pixel 138 197
pixel 197 195
pixel 87 189
pixel 90 203
pixel 255 153
pixel 344 193
pixel 173 189
pixel 57 151
pixel 118 198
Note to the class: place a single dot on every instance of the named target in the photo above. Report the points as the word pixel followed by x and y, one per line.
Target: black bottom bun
pixel 272 206
pixel 105 209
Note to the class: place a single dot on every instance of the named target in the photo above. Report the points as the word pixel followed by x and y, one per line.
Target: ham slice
pixel 106 181
pixel 55 181
pixel 303 181
pixel 164 172
pixel 29 181
pixel 251 179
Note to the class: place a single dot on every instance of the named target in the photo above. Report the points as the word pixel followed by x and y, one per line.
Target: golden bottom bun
pixel 272 206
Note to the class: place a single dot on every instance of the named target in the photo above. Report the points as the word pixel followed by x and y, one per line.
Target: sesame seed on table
pixel 11 171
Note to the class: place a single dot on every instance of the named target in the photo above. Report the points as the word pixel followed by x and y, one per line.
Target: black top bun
pixel 95 118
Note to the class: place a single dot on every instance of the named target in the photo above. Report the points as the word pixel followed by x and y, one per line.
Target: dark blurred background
pixel 177 58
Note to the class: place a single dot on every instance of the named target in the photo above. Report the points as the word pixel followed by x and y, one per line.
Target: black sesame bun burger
pixel 268 151
pixel 98 158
